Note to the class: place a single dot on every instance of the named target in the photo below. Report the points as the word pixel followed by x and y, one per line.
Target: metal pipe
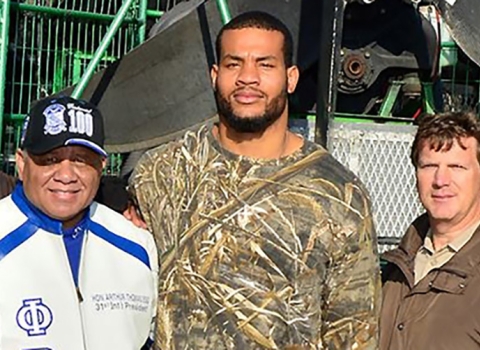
pixel 142 19
pixel 92 16
pixel 224 11
pixel 5 18
pixel 107 39
pixel 14 117
pixel 370 118
pixel 58 12
pixel 331 25
pixel 155 13
pixel 428 98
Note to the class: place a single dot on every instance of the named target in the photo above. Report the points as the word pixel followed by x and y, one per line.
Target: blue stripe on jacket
pixel 127 246
pixel 15 238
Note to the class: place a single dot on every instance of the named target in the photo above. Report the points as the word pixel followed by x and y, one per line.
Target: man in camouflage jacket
pixel 265 240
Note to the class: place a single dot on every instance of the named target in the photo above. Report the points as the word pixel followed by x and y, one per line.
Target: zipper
pixel 76 290
pixel 79 292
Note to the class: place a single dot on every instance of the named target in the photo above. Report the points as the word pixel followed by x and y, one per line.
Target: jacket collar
pixel 37 217
pixel 461 266
pixel 404 255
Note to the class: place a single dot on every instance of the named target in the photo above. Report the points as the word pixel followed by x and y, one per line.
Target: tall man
pixel 266 240
pixel 74 274
pixel 432 282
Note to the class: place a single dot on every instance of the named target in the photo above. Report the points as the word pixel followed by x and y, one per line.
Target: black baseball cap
pixel 58 121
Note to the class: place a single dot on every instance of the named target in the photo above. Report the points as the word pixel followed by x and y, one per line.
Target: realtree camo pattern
pixel 259 254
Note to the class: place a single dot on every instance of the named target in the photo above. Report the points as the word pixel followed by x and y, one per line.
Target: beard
pixel 253 124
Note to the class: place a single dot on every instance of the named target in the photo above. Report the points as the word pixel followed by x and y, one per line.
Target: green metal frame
pixel 44 65
pixel 100 52
pixel 91 16
pixel 142 18
pixel 4 29
pixel 116 23
pixel 59 12
pixel 428 98
pixel 389 100
pixel 224 11
pixel 52 48
pixel 79 59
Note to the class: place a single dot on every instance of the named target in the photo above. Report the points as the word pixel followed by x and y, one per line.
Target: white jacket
pixel 40 307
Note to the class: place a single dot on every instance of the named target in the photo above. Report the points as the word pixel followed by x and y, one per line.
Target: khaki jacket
pixel 443 310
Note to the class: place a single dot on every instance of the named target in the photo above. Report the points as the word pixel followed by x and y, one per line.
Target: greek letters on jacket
pixel 40 306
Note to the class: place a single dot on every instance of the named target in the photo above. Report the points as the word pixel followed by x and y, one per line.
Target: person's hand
pixel 132 214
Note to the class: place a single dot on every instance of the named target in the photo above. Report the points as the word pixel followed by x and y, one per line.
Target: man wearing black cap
pixel 75 274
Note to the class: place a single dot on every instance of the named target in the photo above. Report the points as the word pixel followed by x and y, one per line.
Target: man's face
pixel 62 182
pixel 448 183
pixel 251 81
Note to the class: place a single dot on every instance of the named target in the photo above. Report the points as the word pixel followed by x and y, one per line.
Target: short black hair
pixel 113 193
pixel 259 20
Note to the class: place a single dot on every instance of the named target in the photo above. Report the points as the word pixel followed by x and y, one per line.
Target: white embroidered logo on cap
pixel 54 119
pixel 81 120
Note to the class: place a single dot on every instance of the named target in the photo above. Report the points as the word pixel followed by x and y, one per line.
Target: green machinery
pixel 398 60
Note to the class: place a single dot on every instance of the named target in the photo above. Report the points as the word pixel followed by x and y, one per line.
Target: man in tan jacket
pixel 432 280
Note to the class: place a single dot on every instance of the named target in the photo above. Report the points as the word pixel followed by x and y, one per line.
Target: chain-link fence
pixel 379 155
